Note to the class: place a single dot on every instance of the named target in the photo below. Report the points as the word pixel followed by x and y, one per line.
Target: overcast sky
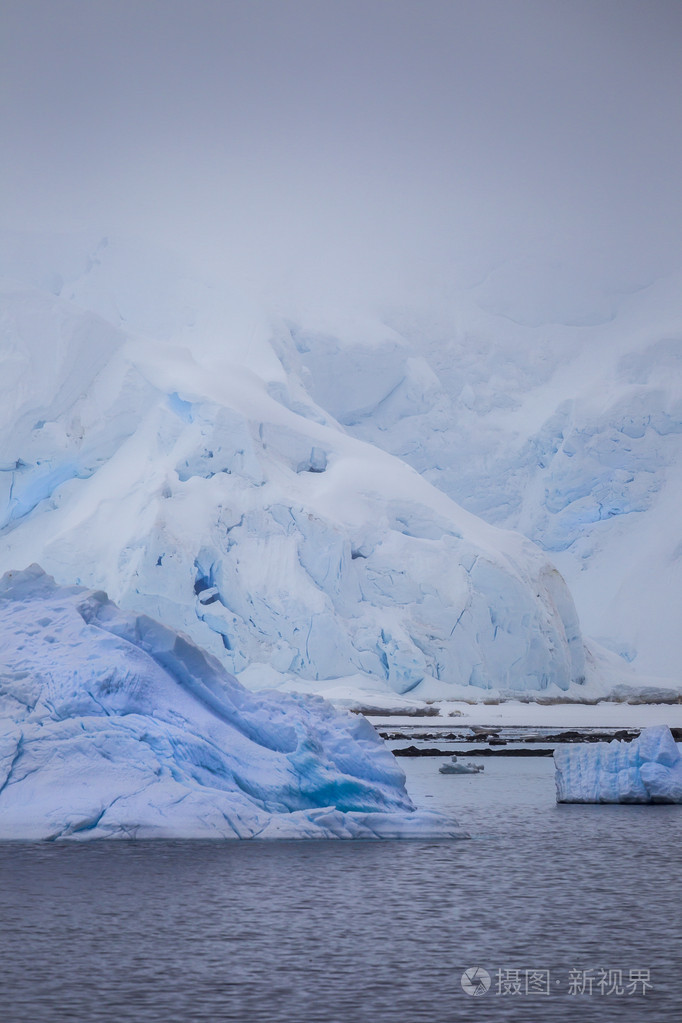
pixel 374 139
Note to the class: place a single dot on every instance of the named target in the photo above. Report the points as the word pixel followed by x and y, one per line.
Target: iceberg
pixel 646 770
pixel 455 766
pixel 114 726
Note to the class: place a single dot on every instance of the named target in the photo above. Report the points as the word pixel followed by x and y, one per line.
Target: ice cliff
pixel 113 726
pixel 545 399
pixel 646 770
pixel 157 443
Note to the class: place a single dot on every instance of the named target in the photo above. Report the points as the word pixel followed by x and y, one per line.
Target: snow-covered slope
pixel 113 726
pixel 157 444
pixel 545 399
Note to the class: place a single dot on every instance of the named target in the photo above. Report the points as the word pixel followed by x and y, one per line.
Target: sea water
pixel 549 913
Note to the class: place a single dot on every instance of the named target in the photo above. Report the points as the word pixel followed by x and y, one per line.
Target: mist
pixel 364 151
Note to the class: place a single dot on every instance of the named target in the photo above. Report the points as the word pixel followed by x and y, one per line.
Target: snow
pixel 646 770
pixel 546 399
pixel 114 726
pixel 167 450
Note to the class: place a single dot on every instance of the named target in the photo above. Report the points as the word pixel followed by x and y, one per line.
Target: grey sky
pixel 370 138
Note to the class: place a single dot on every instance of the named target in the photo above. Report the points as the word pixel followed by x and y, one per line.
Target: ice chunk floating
pixel 455 766
pixel 646 770
pixel 114 726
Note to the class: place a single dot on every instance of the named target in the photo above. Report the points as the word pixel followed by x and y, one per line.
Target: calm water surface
pixel 337 932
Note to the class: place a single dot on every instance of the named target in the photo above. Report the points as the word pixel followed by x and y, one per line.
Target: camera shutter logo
pixel 475 981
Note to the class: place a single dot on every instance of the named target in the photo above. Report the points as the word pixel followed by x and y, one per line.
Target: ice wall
pixel 544 401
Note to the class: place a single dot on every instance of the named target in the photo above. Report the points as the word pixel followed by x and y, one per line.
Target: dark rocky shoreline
pixel 504 741
pixel 485 751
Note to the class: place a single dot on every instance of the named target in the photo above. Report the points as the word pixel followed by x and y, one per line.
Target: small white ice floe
pixel 456 766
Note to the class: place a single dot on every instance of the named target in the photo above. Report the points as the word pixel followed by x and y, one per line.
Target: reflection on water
pixel 335 932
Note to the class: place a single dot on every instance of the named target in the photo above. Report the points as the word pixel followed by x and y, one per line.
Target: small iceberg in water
pixel 456 766
pixel 646 770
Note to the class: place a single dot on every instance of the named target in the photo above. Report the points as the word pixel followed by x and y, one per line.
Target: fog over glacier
pixel 350 148
pixel 259 256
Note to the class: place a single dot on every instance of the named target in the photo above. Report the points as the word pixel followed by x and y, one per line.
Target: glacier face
pixel 546 405
pixel 114 726
pixel 646 770
pixel 166 448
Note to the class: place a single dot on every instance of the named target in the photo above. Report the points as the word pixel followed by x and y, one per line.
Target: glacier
pixel 114 726
pixel 545 398
pixel 646 770
pixel 159 443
